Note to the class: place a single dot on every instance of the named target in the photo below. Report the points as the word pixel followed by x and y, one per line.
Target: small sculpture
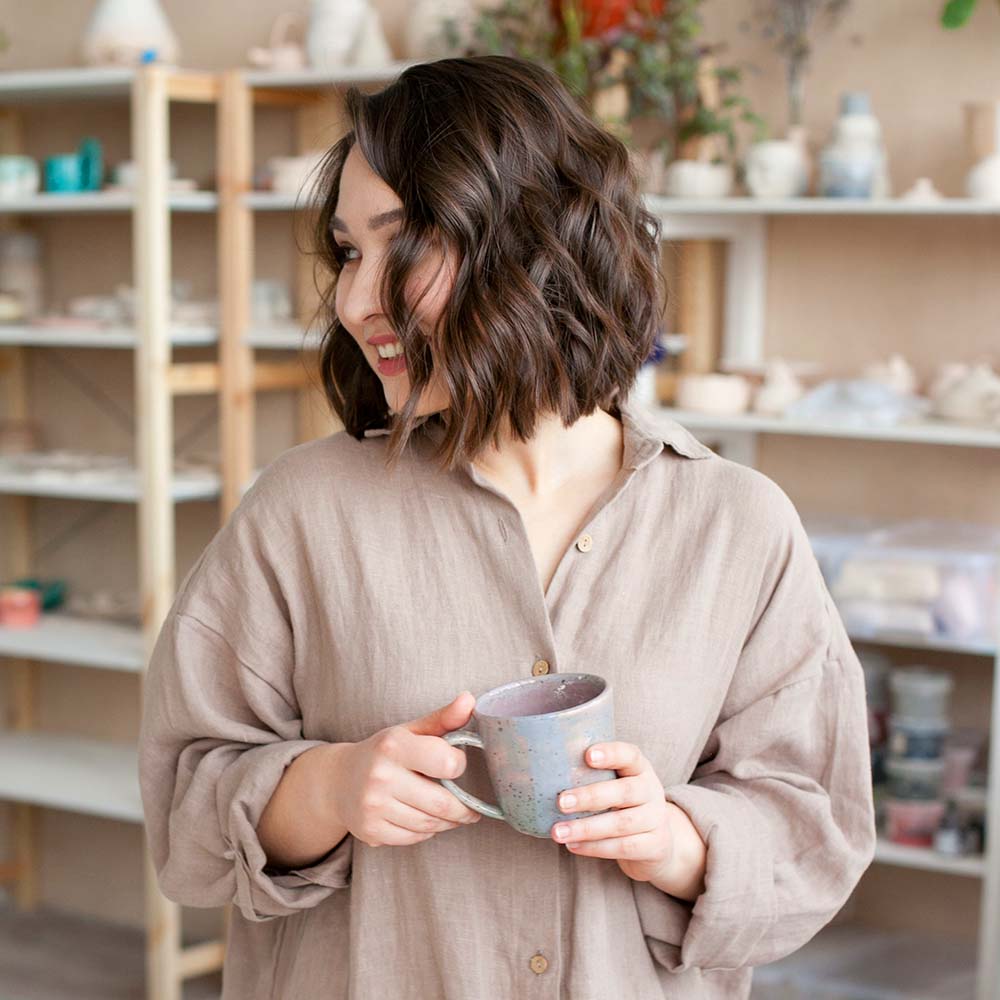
pixel 781 388
pixel 970 394
pixel 895 373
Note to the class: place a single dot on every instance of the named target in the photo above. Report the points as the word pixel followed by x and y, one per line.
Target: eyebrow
pixel 375 222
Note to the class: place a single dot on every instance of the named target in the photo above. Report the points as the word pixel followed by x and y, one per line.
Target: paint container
pixel 960 755
pixel 920 693
pixel 20 607
pixel 914 779
pixel 916 737
pixel 913 823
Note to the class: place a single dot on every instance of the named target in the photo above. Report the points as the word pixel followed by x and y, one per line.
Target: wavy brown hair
pixel 558 292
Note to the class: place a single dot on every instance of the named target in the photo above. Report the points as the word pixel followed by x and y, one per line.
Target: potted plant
pixel 640 69
pixel 781 168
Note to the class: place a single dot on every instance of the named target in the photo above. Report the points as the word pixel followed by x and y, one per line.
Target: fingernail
pixel 568 801
pixel 562 831
pixel 597 756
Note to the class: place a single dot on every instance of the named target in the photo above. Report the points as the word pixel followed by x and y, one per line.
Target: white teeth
pixel 389 350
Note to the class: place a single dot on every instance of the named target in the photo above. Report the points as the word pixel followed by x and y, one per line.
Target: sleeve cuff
pixel 738 905
pixel 262 891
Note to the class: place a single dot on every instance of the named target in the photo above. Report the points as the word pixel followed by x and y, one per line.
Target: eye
pixel 340 252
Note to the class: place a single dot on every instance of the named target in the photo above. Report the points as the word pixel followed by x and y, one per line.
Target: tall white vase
pixel 120 31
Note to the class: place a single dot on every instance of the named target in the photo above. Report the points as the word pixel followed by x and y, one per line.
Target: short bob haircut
pixel 559 291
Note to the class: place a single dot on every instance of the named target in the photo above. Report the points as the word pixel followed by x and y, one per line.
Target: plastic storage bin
pixel 923 739
pixel 914 779
pixel 936 580
pixel 919 693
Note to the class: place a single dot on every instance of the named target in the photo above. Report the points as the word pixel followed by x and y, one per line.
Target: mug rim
pixel 527 681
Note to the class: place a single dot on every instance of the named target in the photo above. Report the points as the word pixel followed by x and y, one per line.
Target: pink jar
pixel 20 607
pixel 913 822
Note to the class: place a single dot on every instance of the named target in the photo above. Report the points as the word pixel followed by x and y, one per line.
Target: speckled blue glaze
pixel 534 733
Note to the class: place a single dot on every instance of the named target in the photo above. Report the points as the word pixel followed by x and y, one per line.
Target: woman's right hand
pixel 386 795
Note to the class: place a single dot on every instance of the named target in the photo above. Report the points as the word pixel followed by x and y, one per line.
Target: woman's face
pixel 367 217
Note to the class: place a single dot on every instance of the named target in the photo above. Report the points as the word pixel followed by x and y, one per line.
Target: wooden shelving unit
pixel 742 223
pixel 99 778
pixel 39 769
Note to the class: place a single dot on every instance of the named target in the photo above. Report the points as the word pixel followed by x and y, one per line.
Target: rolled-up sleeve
pixel 782 794
pixel 220 724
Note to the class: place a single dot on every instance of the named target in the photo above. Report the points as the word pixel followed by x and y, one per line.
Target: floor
pixel 50 956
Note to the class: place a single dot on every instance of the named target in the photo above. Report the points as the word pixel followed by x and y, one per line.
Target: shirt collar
pixel 646 431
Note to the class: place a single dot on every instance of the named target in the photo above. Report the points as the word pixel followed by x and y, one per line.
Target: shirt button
pixel 584 543
pixel 540 667
pixel 538 964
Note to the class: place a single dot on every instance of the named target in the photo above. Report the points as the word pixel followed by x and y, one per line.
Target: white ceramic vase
pixel 120 31
pixel 424 32
pixel 776 168
pixel 697 179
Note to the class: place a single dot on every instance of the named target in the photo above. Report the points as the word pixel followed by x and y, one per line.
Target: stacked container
pixel 919 728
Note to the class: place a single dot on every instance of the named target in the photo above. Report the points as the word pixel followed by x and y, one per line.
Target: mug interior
pixel 541 696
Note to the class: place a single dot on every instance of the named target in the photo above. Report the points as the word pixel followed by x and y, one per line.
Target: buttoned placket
pixel 542 964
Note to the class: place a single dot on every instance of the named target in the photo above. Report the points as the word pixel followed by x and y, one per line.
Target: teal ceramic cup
pixel 79 171
pixel 534 733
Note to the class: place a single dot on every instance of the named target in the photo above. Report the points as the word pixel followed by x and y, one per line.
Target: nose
pixel 358 300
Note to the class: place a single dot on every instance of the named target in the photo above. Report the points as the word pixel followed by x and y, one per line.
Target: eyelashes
pixel 340 253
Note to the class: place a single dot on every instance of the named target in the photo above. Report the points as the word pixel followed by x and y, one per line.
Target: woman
pixel 496 509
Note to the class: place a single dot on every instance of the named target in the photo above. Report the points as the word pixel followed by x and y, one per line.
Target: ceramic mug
pixel 534 733
pixel 79 171
pixel 18 176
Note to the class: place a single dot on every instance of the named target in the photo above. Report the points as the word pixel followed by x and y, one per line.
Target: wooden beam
pixel 194 88
pixel 273 376
pixel 194 378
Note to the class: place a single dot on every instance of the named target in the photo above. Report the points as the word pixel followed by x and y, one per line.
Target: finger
pixel 416 820
pixel 387 834
pixel 443 720
pixel 429 755
pixel 638 847
pixel 617 823
pixel 432 798
pixel 614 794
pixel 625 758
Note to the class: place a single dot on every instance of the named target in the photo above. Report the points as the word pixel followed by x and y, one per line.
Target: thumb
pixel 443 720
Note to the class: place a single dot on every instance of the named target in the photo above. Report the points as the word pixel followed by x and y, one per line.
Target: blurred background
pixel 827 176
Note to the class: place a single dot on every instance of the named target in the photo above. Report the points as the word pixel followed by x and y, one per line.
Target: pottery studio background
pixel 880 317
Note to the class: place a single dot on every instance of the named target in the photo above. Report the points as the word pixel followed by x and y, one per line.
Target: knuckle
pixel 388 741
pixel 380 774
pixel 630 847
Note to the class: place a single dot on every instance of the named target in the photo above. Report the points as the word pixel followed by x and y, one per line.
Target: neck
pixel 555 455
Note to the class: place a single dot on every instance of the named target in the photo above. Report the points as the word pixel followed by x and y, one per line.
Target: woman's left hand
pixel 637 832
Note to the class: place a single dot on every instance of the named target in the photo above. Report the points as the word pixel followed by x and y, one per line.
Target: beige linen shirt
pixel 339 599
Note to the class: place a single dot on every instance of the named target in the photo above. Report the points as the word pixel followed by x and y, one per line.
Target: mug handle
pixel 467 738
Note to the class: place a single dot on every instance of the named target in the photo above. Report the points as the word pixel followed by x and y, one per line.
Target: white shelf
pixel 186 487
pixel 276 201
pixel 308 78
pixel 283 338
pixel 25 86
pixel 81 642
pixel 46 202
pixel 662 205
pixel 926 859
pixel 908 641
pixel 95 777
pixel 922 432
pixel 109 337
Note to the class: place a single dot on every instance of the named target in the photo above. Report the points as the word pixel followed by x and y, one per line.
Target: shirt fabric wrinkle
pixel 482 911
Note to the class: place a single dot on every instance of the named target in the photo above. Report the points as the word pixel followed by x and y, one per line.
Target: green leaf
pixel 957 12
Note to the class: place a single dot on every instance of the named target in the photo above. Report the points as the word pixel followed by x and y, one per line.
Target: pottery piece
pixel 425 33
pixel 780 389
pixel 713 392
pixel 983 180
pixel 967 394
pixel 854 164
pixel 345 33
pixel 923 190
pixel 698 179
pixel 895 373
pixel 281 53
pixel 126 32
pixel 776 168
